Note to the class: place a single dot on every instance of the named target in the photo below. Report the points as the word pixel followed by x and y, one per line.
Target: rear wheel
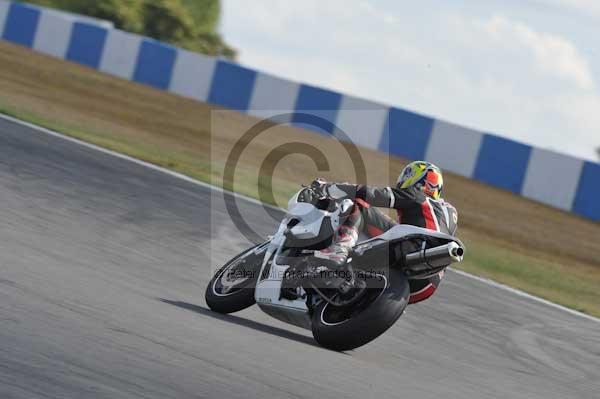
pixel 232 287
pixel 344 328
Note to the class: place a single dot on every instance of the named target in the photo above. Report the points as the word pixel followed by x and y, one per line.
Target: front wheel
pixel 345 328
pixel 232 287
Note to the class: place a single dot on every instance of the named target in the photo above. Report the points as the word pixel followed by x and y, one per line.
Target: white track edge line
pixel 254 201
pixel 134 160
pixel 524 294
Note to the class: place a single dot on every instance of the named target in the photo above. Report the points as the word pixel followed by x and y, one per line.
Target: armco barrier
pixel 558 180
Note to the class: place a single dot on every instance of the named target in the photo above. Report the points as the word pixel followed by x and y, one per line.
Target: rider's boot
pixel 331 264
pixel 337 253
pixel 334 270
pixel 336 256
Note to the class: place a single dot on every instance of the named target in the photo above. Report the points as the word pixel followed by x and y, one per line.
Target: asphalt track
pixel 103 265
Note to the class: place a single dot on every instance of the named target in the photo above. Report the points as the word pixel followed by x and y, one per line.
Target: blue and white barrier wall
pixel 558 180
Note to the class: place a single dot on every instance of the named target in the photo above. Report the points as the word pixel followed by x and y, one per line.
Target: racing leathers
pixel 413 207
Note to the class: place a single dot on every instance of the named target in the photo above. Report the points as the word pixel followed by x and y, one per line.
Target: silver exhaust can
pixel 439 256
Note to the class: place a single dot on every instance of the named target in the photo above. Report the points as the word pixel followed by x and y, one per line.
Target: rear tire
pixel 235 295
pixel 333 330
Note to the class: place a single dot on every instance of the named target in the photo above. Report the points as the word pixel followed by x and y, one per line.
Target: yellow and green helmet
pixel 423 175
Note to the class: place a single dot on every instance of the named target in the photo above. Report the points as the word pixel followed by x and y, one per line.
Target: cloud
pixel 489 71
pixel 584 7
pixel 552 54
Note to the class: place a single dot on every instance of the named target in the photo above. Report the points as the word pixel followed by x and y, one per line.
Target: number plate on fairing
pixel 268 298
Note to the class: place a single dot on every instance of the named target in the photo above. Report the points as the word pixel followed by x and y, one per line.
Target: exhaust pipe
pixel 436 256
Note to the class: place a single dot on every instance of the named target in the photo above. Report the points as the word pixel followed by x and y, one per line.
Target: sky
pixel 528 70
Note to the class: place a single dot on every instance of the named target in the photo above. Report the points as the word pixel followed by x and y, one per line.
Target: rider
pixel 417 200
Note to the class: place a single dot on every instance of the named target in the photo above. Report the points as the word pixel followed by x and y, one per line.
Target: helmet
pixel 423 175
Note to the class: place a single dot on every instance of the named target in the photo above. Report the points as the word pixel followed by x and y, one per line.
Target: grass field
pixel 544 251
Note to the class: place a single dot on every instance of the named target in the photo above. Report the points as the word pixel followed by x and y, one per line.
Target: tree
pixel 205 13
pixel 125 14
pixel 168 20
pixel 205 38
pixel 191 24
pixel 212 44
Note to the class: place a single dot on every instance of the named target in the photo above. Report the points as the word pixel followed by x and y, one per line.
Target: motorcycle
pixel 345 309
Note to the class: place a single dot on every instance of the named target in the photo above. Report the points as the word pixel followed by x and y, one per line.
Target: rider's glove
pixel 319 186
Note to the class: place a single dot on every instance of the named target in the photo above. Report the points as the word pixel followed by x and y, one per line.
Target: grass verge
pixel 514 241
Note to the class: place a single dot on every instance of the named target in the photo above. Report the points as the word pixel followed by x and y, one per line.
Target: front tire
pixel 232 287
pixel 344 329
